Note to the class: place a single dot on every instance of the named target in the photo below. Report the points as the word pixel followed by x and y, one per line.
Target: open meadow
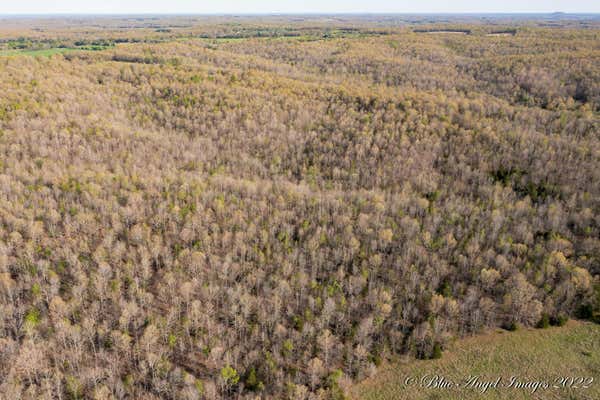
pixel 557 363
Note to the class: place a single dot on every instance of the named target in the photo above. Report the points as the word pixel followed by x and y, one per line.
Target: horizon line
pixel 276 13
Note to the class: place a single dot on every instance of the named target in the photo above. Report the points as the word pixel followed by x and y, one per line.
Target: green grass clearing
pixel 49 52
pixel 530 355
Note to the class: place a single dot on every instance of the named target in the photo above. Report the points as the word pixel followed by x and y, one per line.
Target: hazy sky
pixel 290 6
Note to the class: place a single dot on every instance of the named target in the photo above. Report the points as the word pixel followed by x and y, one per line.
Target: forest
pixel 273 207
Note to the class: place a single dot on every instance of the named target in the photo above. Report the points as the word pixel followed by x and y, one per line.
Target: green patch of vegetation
pixel 571 350
pixel 31 52
pixel 537 192
pixel 32 317
pixel 34 53
pixel 252 381
pixel 199 386
pixel 74 388
pixel 172 340
pixel 36 290
pixel 230 375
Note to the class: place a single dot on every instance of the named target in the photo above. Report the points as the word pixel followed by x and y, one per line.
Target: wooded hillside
pixel 270 208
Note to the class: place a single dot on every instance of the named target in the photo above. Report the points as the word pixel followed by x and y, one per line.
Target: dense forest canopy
pixel 269 207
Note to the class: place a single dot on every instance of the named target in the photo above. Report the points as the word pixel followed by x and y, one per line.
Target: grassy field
pixel 33 53
pixel 531 355
pixel 49 52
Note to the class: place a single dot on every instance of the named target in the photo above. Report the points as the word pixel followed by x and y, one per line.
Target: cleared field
pixel 49 52
pixel 33 53
pixel 532 355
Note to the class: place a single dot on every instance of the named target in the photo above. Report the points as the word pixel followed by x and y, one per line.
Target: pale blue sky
pixel 289 6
